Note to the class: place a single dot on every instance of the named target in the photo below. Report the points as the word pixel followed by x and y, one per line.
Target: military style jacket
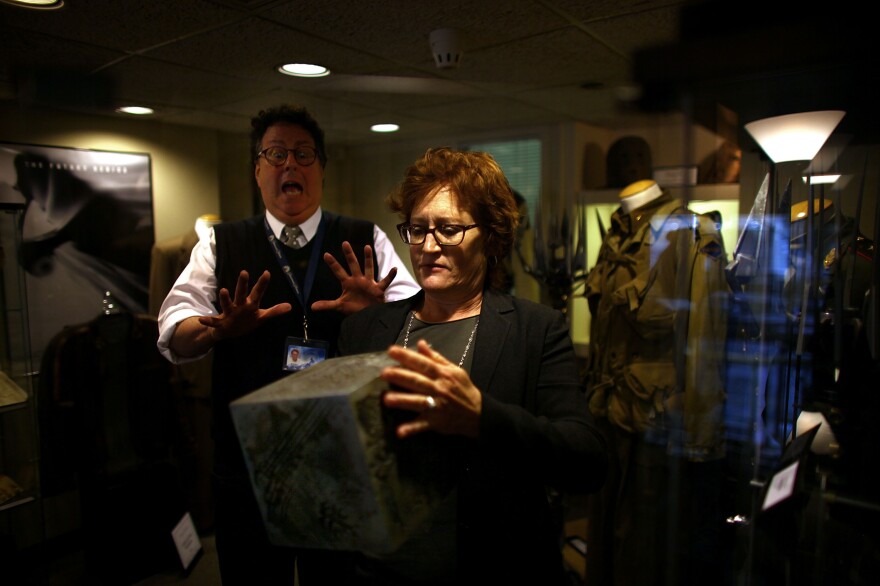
pixel 659 303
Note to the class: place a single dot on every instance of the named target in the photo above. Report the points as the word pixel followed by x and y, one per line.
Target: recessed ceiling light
pixel 37 4
pixel 136 110
pixel 384 127
pixel 303 70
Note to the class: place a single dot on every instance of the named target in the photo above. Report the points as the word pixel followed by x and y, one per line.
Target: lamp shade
pixel 794 137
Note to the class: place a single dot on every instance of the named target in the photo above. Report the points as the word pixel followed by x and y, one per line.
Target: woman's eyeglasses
pixel 444 234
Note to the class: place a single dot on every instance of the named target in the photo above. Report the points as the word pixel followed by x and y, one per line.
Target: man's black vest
pixel 250 362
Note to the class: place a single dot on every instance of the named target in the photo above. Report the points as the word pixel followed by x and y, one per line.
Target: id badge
pixel 300 353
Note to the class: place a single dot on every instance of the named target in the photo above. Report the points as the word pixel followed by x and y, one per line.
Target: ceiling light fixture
pixel 303 70
pixel 135 110
pixel 794 137
pixel 821 179
pixel 384 127
pixel 36 4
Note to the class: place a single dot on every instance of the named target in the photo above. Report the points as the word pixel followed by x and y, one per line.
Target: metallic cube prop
pixel 327 470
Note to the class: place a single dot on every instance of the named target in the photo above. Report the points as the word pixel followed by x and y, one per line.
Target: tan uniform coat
pixel 659 301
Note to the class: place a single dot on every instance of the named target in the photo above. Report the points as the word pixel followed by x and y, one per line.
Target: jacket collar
pixel 494 326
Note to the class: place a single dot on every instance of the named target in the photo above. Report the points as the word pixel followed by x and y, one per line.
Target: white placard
pixel 186 540
pixel 675 176
pixel 781 486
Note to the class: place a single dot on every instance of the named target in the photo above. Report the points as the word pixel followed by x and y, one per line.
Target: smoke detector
pixel 446 47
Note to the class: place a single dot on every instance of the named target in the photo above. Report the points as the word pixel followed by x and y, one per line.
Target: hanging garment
pixel 659 302
pixel 111 428
pixel 658 299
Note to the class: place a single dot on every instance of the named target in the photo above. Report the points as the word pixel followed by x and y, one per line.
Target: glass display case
pixel 20 524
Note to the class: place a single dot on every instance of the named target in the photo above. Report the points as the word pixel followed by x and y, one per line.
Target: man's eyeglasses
pixel 277 155
pixel 444 234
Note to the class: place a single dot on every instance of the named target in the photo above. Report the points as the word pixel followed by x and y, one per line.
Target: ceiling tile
pixel 123 25
pixel 211 63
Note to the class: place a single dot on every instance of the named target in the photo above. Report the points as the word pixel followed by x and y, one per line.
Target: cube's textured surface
pixel 326 467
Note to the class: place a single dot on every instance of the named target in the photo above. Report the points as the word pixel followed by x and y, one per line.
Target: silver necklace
pixel 412 316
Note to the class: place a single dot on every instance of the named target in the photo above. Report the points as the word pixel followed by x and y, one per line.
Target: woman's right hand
pixel 441 392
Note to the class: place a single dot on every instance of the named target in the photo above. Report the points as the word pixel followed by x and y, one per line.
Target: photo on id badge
pixel 300 354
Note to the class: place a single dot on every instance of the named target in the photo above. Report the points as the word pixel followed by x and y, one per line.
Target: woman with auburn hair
pixel 494 374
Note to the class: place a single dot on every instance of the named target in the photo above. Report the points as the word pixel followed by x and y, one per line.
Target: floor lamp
pixel 787 139
pixel 797 138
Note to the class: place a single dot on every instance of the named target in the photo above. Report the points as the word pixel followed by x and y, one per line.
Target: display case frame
pixel 20 515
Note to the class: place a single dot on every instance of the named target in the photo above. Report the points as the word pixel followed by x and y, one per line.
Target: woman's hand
pixel 439 391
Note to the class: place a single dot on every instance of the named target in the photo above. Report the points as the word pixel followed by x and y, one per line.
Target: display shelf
pixel 699 192
pixel 14 407
pixel 17 502
pixel 12 395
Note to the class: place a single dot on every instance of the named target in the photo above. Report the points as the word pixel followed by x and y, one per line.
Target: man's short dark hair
pixel 290 114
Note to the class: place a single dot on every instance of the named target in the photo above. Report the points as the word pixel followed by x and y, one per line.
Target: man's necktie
pixel 290 236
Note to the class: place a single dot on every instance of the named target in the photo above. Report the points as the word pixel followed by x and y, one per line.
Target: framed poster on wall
pixel 87 230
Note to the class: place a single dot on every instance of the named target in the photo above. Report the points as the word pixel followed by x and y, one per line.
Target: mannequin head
pixel 638 194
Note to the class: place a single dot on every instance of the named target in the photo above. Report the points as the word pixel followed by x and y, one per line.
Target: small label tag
pixel 186 540
pixel 781 486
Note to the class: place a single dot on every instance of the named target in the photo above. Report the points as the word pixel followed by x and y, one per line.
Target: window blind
pixel 520 160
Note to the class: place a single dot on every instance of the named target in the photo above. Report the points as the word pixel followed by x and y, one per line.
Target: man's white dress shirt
pixel 195 290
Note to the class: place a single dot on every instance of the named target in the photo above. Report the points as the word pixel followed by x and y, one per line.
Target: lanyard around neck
pixel 302 295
